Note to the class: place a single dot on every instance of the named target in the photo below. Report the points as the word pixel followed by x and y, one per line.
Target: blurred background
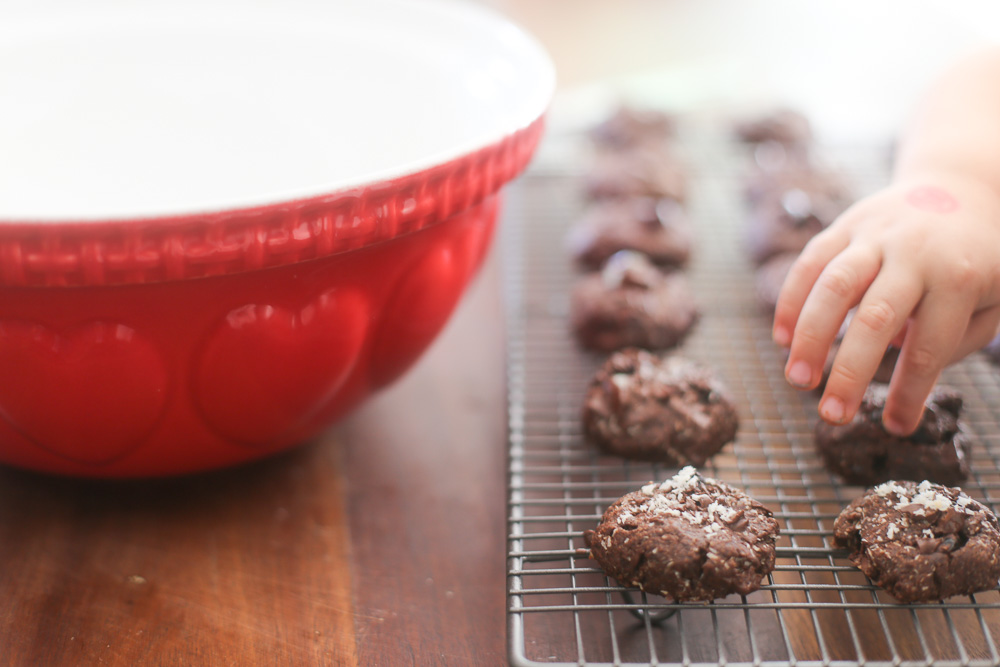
pixel 853 66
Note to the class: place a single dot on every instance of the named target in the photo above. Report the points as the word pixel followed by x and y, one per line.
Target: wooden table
pixel 381 544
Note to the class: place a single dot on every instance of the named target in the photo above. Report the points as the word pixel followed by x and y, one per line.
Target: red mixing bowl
pixel 208 258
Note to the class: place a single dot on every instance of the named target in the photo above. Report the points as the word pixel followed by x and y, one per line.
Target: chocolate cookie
pixel 790 207
pixel 643 406
pixel 784 126
pixel 643 171
pixel 689 538
pixel 864 453
pixel 631 302
pixel 631 126
pixel 659 229
pixel 921 542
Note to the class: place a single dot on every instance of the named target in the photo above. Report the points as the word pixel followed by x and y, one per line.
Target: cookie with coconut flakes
pixel 690 538
pixel 863 453
pixel 921 542
pixel 631 302
pixel 659 229
pixel 673 410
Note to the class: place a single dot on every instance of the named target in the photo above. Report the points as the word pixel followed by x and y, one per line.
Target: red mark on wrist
pixel 932 199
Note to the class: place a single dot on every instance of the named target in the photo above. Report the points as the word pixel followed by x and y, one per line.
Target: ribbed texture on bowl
pixel 194 246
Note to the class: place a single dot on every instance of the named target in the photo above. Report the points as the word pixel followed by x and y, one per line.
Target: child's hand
pixel 921 259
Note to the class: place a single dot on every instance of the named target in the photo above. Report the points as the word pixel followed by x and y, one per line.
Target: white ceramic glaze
pixel 116 111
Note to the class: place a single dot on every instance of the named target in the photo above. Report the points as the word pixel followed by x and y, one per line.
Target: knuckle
pixel 963 274
pixel 810 260
pixel 839 281
pixel 845 375
pixel 807 336
pixel 813 247
pixel 922 362
pixel 878 316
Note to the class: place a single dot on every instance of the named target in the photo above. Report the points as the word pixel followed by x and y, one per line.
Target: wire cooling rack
pixel 815 609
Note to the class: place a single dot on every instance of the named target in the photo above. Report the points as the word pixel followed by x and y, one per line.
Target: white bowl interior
pixel 113 111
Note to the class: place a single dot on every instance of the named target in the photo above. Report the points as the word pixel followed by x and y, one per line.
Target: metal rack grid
pixel 815 609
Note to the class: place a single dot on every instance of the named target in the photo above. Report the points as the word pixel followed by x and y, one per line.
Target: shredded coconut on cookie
pixel 926 496
pixel 720 512
pixel 683 481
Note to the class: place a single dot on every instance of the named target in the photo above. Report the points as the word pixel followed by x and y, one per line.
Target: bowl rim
pixel 188 246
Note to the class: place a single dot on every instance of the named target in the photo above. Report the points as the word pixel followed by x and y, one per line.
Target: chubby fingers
pixel 839 286
pixel 800 280
pixel 880 316
pixel 934 335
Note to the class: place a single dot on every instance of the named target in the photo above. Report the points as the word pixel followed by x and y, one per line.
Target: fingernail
pixel 799 374
pixel 892 426
pixel 781 336
pixel 832 410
